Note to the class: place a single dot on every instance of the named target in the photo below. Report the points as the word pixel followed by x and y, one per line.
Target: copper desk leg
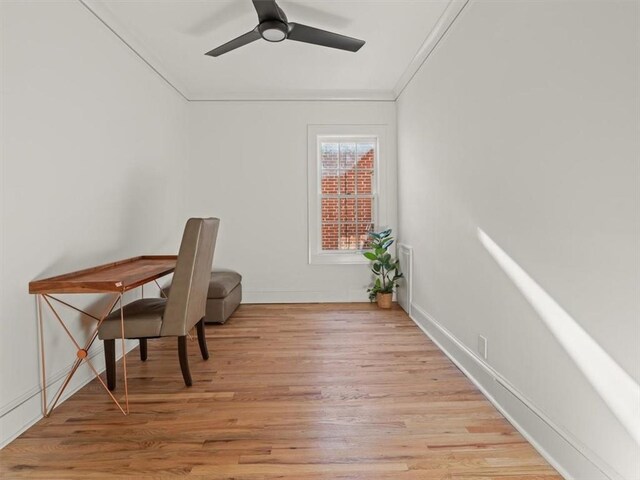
pixel 81 353
pixel 124 359
pixel 42 359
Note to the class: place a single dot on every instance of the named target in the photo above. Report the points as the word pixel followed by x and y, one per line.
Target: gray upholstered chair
pixel 175 315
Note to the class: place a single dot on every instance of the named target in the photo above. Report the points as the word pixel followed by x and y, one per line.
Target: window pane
pixel 330 185
pixel 348 238
pixel 330 236
pixel 347 156
pixel 347 182
pixel 329 153
pixel 330 210
pixel 365 210
pixel 365 155
pixel 362 231
pixel 348 210
pixel 364 181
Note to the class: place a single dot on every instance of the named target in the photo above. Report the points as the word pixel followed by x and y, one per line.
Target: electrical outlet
pixel 483 347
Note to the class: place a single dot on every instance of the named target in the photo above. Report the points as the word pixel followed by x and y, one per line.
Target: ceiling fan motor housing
pixel 273 30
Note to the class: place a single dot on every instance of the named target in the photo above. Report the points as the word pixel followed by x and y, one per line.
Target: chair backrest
pixel 188 295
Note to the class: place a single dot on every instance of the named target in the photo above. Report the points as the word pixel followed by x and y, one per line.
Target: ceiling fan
pixel 274 27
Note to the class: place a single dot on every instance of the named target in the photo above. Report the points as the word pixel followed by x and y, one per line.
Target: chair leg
pixel 202 339
pixel 110 363
pixel 143 349
pixel 184 360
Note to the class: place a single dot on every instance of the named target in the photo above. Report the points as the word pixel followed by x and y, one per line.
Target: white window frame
pixel 316 133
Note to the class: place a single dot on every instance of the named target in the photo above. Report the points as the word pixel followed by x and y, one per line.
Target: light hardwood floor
pixel 317 391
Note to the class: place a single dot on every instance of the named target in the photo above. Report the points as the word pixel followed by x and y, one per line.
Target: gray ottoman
pixel 223 297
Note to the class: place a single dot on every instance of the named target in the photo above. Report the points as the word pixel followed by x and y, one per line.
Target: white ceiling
pixel 173 36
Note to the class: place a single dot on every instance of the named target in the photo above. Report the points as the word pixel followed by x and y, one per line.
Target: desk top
pixel 116 277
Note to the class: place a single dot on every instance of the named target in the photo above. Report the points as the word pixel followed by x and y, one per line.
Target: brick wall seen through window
pixel 347 193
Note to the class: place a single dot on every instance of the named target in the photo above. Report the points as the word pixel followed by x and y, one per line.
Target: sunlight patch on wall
pixel 614 385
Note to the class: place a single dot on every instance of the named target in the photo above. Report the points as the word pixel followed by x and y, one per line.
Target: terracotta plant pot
pixel 384 300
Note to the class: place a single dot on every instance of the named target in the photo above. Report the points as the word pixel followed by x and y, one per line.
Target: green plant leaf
pixel 383 267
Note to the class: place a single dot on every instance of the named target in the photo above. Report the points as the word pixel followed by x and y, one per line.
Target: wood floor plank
pixel 306 391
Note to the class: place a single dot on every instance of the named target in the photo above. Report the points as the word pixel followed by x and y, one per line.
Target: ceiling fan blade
pixel 304 33
pixel 242 40
pixel 269 10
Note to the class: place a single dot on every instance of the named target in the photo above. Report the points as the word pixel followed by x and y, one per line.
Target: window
pixel 347 192
pixel 343 191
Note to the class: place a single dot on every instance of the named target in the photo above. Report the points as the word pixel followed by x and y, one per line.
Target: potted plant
pixel 385 268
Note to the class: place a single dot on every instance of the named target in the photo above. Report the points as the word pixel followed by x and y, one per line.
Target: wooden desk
pixel 113 278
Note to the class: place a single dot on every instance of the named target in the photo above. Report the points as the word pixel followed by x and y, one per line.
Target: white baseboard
pixel 573 460
pixel 24 411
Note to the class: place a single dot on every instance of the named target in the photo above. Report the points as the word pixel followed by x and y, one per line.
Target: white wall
pixel 93 144
pixel 524 123
pixel 248 166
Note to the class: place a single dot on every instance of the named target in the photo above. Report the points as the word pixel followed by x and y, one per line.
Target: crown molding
pixel 301 96
pixel 100 10
pixel 449 15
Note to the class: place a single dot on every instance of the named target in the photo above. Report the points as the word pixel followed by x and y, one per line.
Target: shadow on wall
pixel 149 221
pixel 614 385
